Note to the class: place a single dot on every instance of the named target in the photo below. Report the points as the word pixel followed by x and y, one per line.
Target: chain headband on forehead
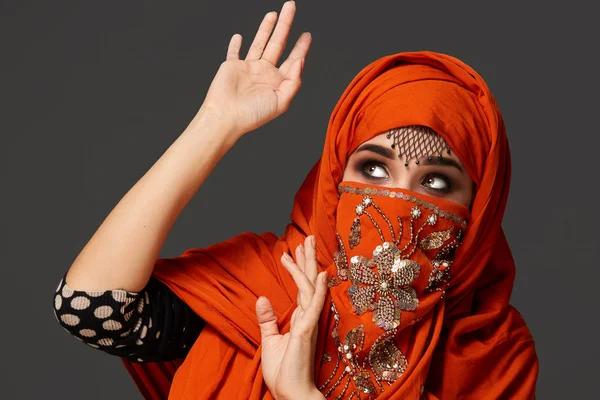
pixel 416 142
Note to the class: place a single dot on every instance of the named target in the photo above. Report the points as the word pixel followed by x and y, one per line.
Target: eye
pixel 374 170
pixel 437 182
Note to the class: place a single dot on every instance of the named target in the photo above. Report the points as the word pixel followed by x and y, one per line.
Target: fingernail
pixel 312 240
pixel 324 276
pixel 301 248
pixel 287 257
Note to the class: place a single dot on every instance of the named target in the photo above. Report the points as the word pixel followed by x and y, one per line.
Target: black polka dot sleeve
pixel 150 325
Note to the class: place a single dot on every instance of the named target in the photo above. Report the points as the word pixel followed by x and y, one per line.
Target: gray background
pixel 94 92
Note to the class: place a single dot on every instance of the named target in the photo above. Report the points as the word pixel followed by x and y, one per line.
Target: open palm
pixel 288 359
pixel 253 91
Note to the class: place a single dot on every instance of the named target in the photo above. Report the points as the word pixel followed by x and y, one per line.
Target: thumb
pixel 267 320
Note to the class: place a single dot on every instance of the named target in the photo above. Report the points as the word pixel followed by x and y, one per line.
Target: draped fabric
pixel 470 344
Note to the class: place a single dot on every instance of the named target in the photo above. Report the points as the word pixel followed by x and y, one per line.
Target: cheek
pixel 349 174
pixel 470 196
pixel 464 197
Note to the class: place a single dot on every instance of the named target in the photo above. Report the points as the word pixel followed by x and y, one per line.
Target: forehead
pixel 383 140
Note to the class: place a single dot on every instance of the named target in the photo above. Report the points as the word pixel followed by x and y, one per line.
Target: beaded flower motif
pixel 381 284
pixel 394 274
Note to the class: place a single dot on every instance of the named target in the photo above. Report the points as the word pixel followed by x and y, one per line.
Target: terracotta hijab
pixel 469 343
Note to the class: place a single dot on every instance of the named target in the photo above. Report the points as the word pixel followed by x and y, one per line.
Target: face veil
pixel 396 249
pixel 430 331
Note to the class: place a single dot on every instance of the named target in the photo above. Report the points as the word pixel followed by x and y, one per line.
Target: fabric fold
pixel 469 344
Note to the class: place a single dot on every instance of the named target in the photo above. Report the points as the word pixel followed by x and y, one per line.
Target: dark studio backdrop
pixel 94 92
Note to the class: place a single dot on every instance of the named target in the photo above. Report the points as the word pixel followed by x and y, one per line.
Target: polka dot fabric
pixel 147 326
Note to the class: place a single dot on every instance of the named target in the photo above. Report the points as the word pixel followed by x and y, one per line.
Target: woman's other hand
pixel 288 359
pixel 251 92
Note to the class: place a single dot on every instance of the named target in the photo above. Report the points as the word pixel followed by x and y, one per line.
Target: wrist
pixel 215 124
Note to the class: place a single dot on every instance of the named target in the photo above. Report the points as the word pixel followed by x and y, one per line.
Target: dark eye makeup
pixel 435 183
pixel 374 170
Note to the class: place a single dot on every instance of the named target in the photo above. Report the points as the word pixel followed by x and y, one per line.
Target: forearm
pixel 122 252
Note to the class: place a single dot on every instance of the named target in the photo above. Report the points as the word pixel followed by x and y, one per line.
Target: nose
pixel 402 180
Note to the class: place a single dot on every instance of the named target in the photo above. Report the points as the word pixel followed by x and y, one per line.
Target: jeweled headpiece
pixel 416 142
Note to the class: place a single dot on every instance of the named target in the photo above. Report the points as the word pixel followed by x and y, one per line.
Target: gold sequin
pixel 387 360
pixel 381 284
pixel 440 275
pixel 354 239
pixel 332 281
pixel 383 363
pixel 435 240
pixel 399 195
pixel 340 260
pixel 386 276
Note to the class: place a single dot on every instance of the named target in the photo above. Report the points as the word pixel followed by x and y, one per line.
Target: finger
pixel 267 320
pixel 311 266
pixel 298 299
pixel 262 36
pixel 305 287
pixel 300 262
pixel 290 85
pixel 300 50
pixel 300 258
pixel 313 312
pixel 298 311
pixel 279 39
pixel 233 51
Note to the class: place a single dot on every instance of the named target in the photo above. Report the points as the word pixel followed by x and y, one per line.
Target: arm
pixel 243 95
pixel 151 325
pixel 122 252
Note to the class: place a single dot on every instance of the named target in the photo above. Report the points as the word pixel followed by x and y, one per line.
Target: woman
pixel 401 215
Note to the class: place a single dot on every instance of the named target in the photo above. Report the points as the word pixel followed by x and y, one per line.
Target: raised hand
pixel 251 92
pixel 288 360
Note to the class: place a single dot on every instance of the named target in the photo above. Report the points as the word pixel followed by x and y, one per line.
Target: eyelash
pixel 435 175
pixel 369 163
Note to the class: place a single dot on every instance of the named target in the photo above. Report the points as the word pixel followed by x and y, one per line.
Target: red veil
pixel 481 346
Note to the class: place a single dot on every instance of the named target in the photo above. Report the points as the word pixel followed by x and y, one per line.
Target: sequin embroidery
pixel 402 196
pixel 389 284
pixel 377 286
pixel 439 278
pixel 384 362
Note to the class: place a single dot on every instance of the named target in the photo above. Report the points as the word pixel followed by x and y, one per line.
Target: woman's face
pixel 375 162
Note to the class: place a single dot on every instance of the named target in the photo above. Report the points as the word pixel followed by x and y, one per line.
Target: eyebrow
pixel 390 154
pixel 444 161
pixel 383 151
